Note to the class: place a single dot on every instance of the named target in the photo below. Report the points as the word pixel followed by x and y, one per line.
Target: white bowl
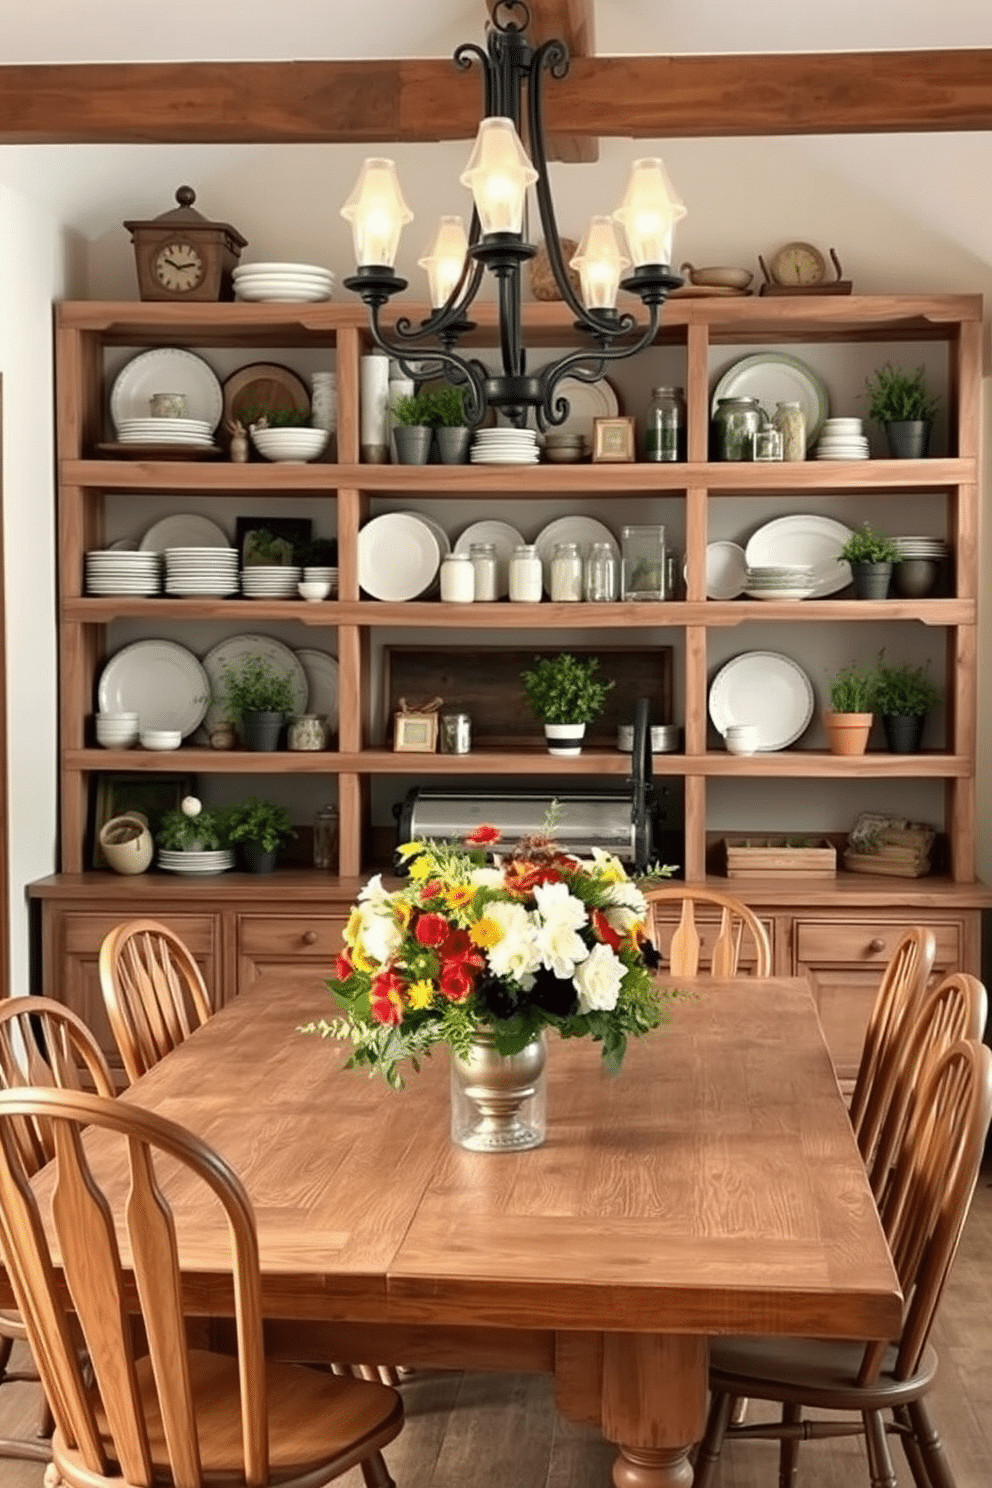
pixel 314 589
pixel 289 444
pixel 160 738
pixel 741 738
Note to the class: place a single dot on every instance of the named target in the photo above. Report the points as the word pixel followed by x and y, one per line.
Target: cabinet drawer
pixel 280 937
pixel 83 933
pixel 871 943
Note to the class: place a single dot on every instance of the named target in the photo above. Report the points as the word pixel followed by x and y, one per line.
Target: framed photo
pixel 414 733
pixel 613 439
pixel 277 540
pixel 150 794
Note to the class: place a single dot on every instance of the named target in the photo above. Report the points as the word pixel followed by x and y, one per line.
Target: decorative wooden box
pixel 761 857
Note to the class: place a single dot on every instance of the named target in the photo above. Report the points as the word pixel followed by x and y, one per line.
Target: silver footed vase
pixel 498 1101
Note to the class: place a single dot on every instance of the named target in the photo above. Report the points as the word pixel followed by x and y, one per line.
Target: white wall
pixel 905 213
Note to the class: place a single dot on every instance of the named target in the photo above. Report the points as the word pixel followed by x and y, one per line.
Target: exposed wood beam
pixel 573 22
pixel 380 101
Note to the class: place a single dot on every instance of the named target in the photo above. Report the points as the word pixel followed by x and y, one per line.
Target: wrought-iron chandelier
pixel 499 174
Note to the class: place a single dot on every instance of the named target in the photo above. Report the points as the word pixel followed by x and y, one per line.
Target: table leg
pixel 654 1406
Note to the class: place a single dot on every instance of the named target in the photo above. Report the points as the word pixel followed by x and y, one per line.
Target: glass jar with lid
pixel 566 572
pixel 325 838
pixel 457 579
pixel 664 435
pixel 526 575
pixel 483 556
pixel 735 423
pixel 600 579
pixel 643 563
pixel 790 421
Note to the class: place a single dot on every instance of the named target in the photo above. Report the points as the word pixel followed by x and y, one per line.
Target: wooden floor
pixel 472 1429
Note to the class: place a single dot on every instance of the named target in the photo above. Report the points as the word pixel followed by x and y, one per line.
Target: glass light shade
pixel 377 212
pixel 446 260
pixel 599 263
pixel 498 174
pixel 649 211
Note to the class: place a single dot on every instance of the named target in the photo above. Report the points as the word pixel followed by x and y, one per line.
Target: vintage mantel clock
pixel 801 269
pixel 182 256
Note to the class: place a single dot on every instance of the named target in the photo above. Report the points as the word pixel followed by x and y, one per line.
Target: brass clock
pixel 801 269
pixel 182 256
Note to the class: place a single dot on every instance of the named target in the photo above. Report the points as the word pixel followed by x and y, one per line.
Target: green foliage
pixel 565 688
pixel 412 409
pixel 178 832
pixel 904 691
pixel 264 546
pixel 865 545
pixel 256 687
pixel 277 418
pixel 319 552
pixel 895 395
pixel 445 407
pixel 261 822
pixel 853 690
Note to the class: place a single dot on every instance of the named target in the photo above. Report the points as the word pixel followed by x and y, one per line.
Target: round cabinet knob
pixel 309 937
pixel 876 945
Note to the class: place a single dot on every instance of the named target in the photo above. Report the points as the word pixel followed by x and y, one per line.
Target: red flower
pixel 461 949
pixel 343 966
pixel 386 997
pixel 431 889
pixel 455 981
pixel 483 836
pixel 605 931
pixel 522 877
pixel 431 930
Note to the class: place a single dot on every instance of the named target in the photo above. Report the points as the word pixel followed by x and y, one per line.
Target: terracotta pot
pixel 847 733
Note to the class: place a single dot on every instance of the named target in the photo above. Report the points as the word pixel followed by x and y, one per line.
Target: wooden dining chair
pixel 884 1383
pixel 901 987
pixel 42 1043
pixel 153 991
pixel 686 950
pixel 166 1412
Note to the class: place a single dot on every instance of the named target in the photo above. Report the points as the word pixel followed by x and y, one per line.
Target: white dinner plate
pixel 166 369
pixel 322 680
pixel 161 681
pixel 726 570
pixel 504 539
pixel 242 269
pixel 586 401
pixel 184 530
pixel 775 377
pixel 766 689
pixel 803 541
pixel 302 294
pixel 398 557
pixel 228 656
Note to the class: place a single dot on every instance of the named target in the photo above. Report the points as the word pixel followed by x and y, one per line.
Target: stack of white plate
pixel 165 431
pixel 209 860
pixel 270 581
pixel 322 574
pixel 505 447
pixel 775 581
pixel 842 439
pixel 921 547
pixel 111 571
pixel 282 281
pixel 201 571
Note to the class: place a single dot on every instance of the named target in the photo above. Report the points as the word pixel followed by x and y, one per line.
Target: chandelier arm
pixel 554 411
pixel 424 364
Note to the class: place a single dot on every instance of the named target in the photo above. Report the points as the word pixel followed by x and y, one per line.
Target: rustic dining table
pixel 713 1187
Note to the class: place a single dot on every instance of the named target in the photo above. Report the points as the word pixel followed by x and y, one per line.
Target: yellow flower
pixel 420 867
pixel 410 850
pixel 420 994
pixel 353 928
pixel 485 933
pixel 403 913
pixel 460 895
pixel 361 961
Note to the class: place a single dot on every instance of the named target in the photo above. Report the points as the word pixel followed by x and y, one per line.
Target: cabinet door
pixel 844 961
pixel 72 972
pixel 289 946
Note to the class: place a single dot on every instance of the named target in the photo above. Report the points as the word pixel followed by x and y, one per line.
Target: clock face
pixel 799 263
pixel 178 267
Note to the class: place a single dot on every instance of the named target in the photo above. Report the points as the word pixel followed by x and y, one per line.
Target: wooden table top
pixel 714 1187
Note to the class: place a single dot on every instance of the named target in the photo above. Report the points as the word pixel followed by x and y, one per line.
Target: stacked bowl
pixel 117 730
pixel 780 582
pixel 842 439
pixel 282 281
pixel 295 445
pixel 564 449
pixel 209 571
pixel 318 573
pixel 270 581
pixel 917 574
pixel 113 571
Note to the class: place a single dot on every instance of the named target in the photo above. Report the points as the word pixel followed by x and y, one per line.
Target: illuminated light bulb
pixel 599 263
pixel 498 175
pixel 649 211
pixel 446 260
pixel 377 213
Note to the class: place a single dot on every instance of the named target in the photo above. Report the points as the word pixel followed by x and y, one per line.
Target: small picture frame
pixel 281 541
pixel 414 733
pixel 613 439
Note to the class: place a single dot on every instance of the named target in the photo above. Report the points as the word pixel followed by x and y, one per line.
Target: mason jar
pixel 664 436
pixel 643 551
pixel 526 575
pixel 600 579
pixel 735 424
pixel 790 421
pixel 325 838
pixel 566 572
pixel 457 579
pixel 483 556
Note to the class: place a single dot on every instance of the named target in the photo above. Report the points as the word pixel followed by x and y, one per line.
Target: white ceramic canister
pixel 457 579
pixel 374 392
pixel 526 575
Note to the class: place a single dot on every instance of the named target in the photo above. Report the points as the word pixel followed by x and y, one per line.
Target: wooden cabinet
pixel 698 501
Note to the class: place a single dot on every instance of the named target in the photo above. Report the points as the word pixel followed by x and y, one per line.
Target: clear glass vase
pixel 499 1101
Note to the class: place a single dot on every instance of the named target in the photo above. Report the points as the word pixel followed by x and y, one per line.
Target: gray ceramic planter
pixel 871 580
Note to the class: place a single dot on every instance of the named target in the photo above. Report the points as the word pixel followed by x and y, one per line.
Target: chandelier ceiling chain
pixel 499 173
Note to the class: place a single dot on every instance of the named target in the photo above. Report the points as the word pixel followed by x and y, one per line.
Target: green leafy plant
pixel 565 688
pixel 277 418
pixel 188 828
pixel 865 545
pixel 256 687
pixel 412 409
pixel 260 822
pixel 904 690
pixel 320 552
pixel 897 396
pixel 445 407
pixel 264 546
pixel 852 690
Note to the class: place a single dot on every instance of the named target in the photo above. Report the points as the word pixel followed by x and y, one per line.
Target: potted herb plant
pixel 446 412
pixel 901 402
pixel 565 692
pixel 258 699
pixel 872 557
pixel 849 719
pixel 188 828
pixel 904 695
pixel 414 432
pixel 259 828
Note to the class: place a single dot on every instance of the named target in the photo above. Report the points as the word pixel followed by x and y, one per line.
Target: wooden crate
pixel 761 857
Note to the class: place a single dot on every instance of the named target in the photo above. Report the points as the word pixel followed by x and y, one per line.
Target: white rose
pixel 598 979
pixel 381 937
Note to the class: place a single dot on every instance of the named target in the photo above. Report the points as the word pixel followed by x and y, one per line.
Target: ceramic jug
pixel 127 843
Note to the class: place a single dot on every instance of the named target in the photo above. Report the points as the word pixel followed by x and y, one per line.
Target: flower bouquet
pixel 538 940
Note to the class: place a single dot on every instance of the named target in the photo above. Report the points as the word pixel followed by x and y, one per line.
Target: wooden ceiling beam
pixel 415 100
pixel 574 23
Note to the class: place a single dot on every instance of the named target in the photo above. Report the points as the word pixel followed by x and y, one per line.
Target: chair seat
pixel 315 1420
pixel 818 1372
